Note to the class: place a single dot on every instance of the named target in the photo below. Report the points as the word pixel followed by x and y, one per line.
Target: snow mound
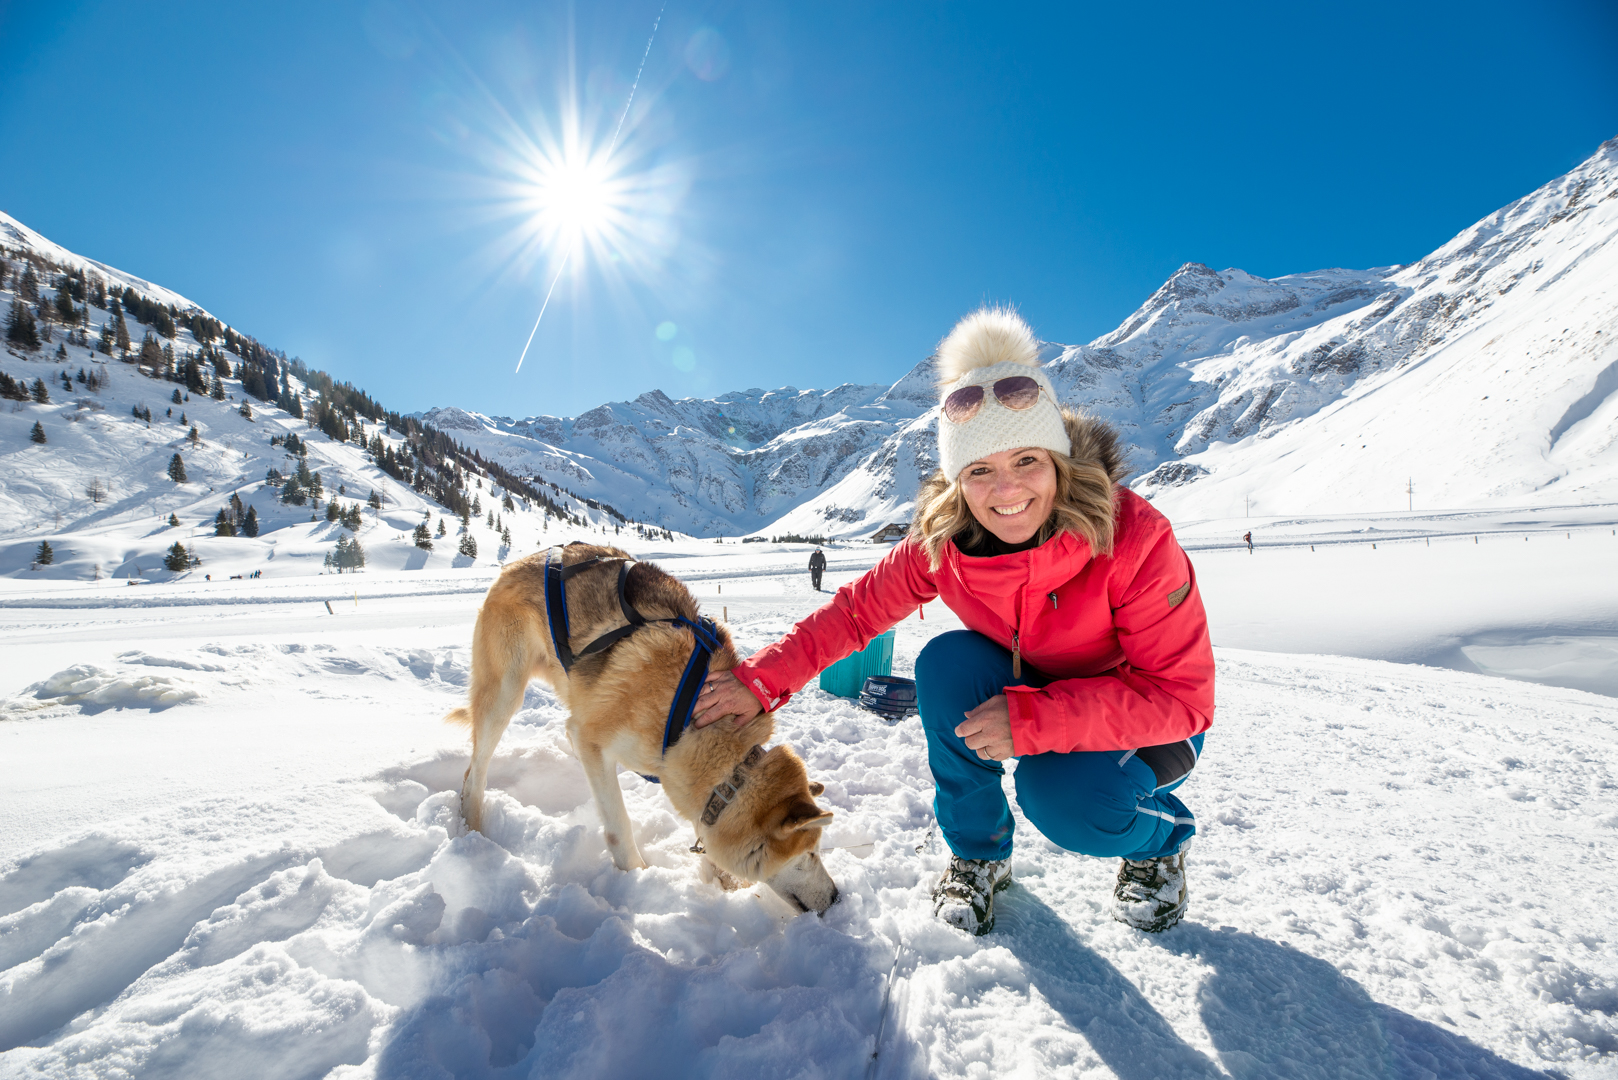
pixel 100 688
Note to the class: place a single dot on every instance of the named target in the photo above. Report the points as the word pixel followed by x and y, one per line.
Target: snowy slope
pixel 92 439
pixel 1399 871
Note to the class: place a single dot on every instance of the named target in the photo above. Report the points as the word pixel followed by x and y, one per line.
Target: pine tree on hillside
pixel 218 391
pixel 506 504
pixel 223 526
pixel 174 522
pixel 246 410
pixel 66 313
pixel 120 329
pixel 151 353
pixel 421 537
pixel 250 523
pixel 41 394
pixel 441 529
pixel 374 502
pixel 20 327
pixel 106 342
pixel 178 558
pixel 45 555
pixel 176 397
pixel 37 435
pixel 332 511
pixel 194 436
pixel 28 284
pixel 96 490
pixel 177 468
pixel 469 545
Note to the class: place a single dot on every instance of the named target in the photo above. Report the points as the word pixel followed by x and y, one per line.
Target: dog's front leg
pixel 603 777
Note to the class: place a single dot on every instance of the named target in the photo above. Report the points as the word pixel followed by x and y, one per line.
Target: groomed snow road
pixel 230 846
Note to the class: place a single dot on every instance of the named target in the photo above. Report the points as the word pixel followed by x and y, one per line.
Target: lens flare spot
pixel 666 331
pixel 685 359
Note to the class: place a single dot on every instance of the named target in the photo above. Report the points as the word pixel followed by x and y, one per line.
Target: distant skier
pixel 1248 536
pixel 817 566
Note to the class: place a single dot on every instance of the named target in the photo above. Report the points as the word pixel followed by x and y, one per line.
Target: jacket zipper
pixel 1016 655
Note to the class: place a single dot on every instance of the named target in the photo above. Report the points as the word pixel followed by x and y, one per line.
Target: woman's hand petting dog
pixel 988 729
pixel 724 695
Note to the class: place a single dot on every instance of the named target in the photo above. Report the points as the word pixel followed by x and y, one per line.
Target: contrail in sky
pixel 610 148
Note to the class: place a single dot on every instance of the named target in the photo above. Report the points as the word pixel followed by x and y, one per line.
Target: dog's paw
pixel 711 873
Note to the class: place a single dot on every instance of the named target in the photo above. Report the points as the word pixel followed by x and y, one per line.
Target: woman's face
pixel 1011 493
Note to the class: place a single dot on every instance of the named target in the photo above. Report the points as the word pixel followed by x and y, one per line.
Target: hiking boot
pixel 964 896
pixel 1151 893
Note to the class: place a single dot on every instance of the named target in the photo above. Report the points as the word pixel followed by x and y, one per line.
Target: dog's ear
pixel 816 788
pixel 802 814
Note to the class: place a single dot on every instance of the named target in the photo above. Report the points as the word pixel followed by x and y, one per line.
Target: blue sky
pixel 813 193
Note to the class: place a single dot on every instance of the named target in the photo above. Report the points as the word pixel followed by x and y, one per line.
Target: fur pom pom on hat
pixel 989 345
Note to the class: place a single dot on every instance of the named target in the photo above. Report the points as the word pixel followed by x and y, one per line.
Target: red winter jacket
pixel 1124 635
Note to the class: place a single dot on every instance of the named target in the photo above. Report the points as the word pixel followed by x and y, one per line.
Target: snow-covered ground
pixel 230 843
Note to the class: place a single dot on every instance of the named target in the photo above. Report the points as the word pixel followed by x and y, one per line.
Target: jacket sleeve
pixel 860 610
pixel 1162 693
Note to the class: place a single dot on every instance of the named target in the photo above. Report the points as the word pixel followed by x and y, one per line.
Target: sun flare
pixel 575 198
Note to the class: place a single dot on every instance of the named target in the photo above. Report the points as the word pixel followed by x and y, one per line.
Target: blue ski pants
pixel 1105 803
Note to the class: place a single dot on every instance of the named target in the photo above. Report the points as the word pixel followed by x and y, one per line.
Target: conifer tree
pixel 120 329
pixel 489 520
pixel 178 558
pixel 421 537
pixel 20 328
pixel 250 523
pixel 441 529
pixel 194 436
pixel 96 490
pixel 37 435
pixel 506 504
pixel 374 502
pixel 246 410
pixel 66 313
pixel 505 537
pixel 176 397
pixel 44 555
pixel 174 522
pixel 469 545
pixel 177 468
pixel 107 340
pixel 331 511
pixel 42 395
pixel 223 526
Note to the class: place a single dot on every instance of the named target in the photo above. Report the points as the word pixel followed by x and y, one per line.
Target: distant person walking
pixel 1248 536
pixel 817 566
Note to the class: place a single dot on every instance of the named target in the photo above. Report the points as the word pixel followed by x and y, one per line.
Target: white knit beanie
pixel 988 345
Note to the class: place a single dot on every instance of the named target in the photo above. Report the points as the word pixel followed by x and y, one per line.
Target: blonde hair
pixel 1085 490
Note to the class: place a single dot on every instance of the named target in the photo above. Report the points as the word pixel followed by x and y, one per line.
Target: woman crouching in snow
pixel 1086 655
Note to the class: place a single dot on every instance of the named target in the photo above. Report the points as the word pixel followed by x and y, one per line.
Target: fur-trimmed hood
pixel 1095 442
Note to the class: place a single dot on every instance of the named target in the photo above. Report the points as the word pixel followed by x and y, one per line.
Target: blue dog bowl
pixel 889 696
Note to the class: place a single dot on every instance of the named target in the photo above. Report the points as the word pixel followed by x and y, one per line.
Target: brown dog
pixel 754 812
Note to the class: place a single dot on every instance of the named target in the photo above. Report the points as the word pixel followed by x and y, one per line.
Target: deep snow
pixel 1401 870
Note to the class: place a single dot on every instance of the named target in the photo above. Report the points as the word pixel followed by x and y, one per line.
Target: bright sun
pixel 575 198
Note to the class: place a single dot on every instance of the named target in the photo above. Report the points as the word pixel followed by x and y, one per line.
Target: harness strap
pixel 705 642
pixel 556 607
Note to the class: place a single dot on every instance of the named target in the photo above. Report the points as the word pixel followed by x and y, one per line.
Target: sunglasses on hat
pixel 1017 392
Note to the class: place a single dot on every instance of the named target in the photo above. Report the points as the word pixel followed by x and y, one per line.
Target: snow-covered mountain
pixel 1486 372
pixel 114 456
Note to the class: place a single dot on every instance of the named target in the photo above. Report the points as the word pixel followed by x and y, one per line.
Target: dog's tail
pixel 462 716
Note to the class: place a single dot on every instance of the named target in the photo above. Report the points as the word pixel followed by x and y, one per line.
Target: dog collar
pixel 725 790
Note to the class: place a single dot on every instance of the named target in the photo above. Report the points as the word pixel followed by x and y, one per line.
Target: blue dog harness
pixel 704 634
